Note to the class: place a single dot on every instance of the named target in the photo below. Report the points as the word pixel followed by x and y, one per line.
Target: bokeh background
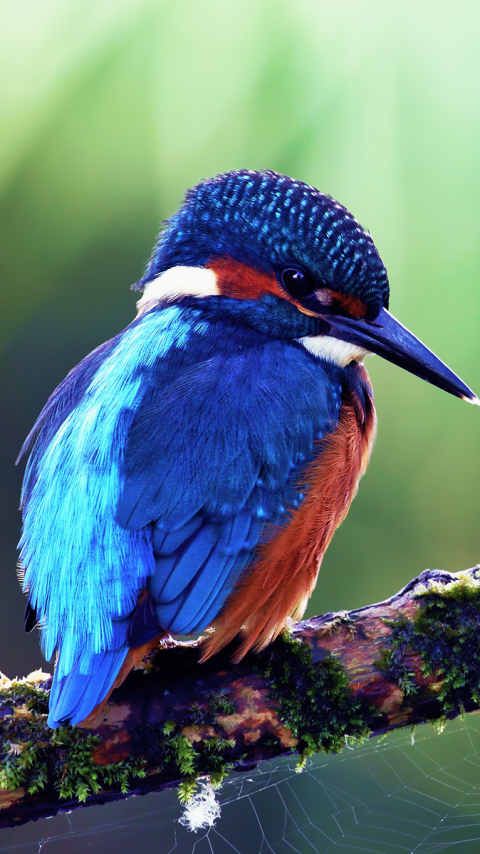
pixel 110 109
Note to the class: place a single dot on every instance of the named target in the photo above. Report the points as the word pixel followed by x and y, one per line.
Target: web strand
pixel 401 795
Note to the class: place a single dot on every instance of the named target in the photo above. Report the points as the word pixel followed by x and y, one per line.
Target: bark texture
pixel 389 665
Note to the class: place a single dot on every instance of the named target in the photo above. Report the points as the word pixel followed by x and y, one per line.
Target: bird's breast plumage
pixel 285 569
pixel 214 463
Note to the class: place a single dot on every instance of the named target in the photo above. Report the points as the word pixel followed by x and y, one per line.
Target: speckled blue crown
pixel 271 221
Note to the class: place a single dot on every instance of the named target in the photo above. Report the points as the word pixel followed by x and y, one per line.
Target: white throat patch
pixel 341 353
pixel 178 282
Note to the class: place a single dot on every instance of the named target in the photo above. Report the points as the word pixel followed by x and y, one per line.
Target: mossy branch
pixel 325 683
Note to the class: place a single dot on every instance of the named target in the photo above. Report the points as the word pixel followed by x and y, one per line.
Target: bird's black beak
pixel 388 338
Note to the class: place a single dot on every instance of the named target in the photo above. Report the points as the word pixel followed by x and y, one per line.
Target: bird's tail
pixel 74 695
pixel 81 693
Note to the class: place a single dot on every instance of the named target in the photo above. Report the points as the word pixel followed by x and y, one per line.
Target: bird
pixel 190 473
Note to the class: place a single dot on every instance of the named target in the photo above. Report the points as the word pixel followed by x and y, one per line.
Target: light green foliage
pixel 80 776
pixel 24 736
pixel 23 764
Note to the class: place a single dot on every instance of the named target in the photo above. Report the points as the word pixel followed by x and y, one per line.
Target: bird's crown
pixel 283 229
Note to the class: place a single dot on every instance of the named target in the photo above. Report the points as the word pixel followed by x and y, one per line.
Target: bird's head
pixel 253 235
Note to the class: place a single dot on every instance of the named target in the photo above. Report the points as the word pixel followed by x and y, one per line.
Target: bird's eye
pixel 297 284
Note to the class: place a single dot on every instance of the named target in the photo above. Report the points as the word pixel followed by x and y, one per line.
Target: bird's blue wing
pixel 160 462
pixel 83 572
pixel 212 464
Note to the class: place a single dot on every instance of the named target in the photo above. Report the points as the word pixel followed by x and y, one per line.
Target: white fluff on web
pixel 202 811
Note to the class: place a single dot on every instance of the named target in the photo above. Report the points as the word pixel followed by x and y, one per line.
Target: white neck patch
pixel 202 282
pixel 178 282
pixel 341 353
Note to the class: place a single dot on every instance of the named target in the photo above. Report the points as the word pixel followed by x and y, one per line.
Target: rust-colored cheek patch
pixel 352 305
pixel 239 281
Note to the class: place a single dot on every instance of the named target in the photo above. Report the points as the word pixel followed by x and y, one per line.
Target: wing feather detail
pixel 285 571
pixel 162 463
pixel 213 463
pixel 82 570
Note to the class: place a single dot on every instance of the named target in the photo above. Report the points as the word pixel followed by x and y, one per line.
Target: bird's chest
pixel 286 567
pixel 333 424
pixel 332 478
pixel 320 493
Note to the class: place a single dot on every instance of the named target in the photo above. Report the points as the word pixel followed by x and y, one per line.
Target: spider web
pixel 401 795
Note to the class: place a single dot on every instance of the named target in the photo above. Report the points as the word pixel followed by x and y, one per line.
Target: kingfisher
pixel 190 473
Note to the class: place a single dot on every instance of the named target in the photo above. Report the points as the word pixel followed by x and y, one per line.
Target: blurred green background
pixel 110 110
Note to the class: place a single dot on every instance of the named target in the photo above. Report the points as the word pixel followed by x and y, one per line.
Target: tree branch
pixel 331 679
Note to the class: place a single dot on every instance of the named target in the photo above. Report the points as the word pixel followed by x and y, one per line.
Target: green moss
pixel 169 748
pixel 76 774
pixel 392 666
pixel 23 764
pixel 444 633
pixel 166 746
pixel 24 735
pixel 219 704
pixel 25 692
pixel 36 757
pixel 39 758
pixel 187 789
pixel 314 698
pixel 210 762
pixel 215 703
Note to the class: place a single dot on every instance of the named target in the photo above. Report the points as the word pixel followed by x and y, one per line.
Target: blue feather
pixel 214 462
pixel 188 563
pixel 272 221
pixel 174 451
pixel 208 596
pixel 83 571
pixel 73 696
pixel 163 461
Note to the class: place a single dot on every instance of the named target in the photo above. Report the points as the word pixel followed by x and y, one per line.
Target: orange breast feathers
pixel 282 579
